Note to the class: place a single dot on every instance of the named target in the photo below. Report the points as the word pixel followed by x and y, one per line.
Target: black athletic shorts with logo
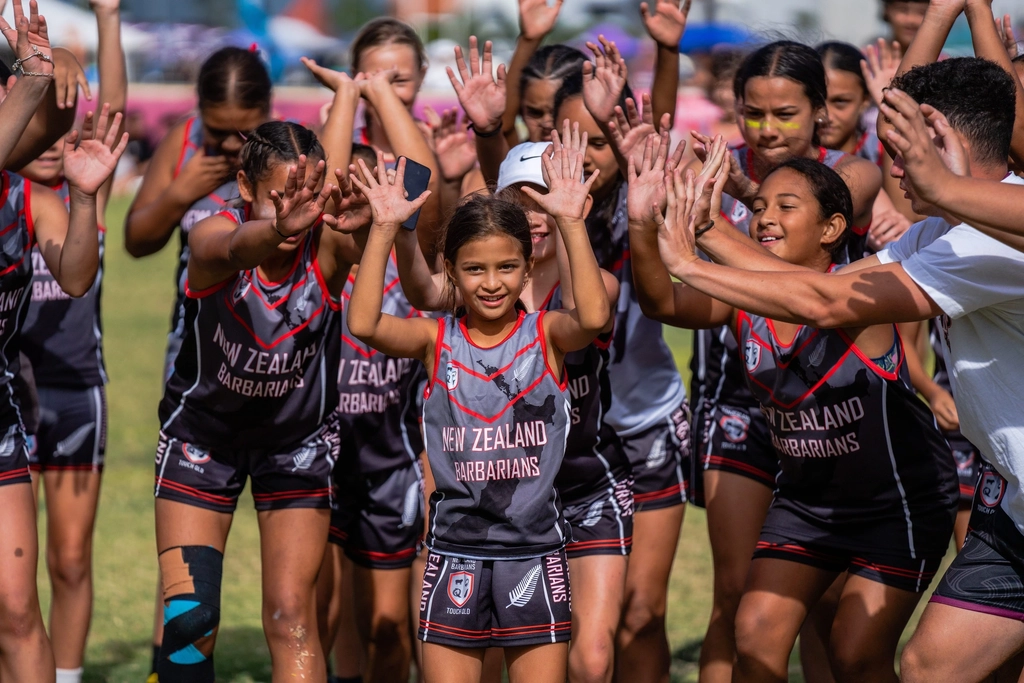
pixel 732 439
pixel 13 451
pixel 495 603
pixel 987 575
pixel 72 433
pixel 378 519
pixel 603 523
pixel 659 456
pixel 296 476
pixel 968 470
pixel 905 573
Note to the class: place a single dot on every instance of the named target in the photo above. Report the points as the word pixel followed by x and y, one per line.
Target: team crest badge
pixel 240 289
pixel 451 376
pixel 460 588
pixel 734 428
pixel 991 489
pixel 752 355
pixel 195 455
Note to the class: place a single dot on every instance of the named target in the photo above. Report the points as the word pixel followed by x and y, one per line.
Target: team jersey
pixel 594 459
pixel 17 236
pixel 646 387
pixel 258 367
pixel 717 369
pixel 495 422
pixel 870 147
pixel 857 448
pixel 62 336
pixel 378 413
pixel 211 204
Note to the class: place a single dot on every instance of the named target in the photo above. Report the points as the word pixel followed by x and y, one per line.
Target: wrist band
pixel 700 231
pixel 283 236
pixel 486 134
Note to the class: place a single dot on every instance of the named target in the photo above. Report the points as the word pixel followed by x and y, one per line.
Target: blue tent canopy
pixel 703 37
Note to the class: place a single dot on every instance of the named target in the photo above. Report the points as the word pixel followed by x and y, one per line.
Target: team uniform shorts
pixel 659 456
pixel 495 603
pixel 13 452
pixel 378 519
pixel 72 433
pixel 987 575
pixel 601 524
pixel 732 439
pixel 968 470
pixel 294 476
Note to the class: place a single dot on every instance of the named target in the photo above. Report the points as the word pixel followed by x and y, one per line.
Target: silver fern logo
pixel 593 515
pixel 818 354
pixel 9 442
pixel 74 441
pixel 304 458
pixel 658 454
pixel 521 594
pixel 411 506
pixel 524 367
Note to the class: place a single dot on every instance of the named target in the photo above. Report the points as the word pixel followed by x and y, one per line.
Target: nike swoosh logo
pixel 528 158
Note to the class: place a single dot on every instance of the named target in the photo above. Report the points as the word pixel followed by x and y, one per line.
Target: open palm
pixel 537 18
pixel 300 206
pixel 29 37
pixel 386 194
pixel 668 23
pixel 603 80
pixel 481 92
pixel 89 163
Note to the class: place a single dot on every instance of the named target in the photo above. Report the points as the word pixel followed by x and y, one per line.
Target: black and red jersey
pixel 594 460
pixel 258 367
pixel 63 337
pixel 379 401
pixel 495 422
pixel 17 236
pixel 858 449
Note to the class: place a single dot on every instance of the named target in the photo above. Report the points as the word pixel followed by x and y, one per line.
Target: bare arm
pixel 666 26
pixel 113 72
pixel 865 181
pixel 423 288
pixel 483 97
pixel 611 283
pixel 536 20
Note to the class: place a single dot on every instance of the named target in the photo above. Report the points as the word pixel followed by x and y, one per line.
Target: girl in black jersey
pixel 496 416
pixel 68 241
pixel 251 395
pixel 62 339
pixel 867 484
pixel 848 101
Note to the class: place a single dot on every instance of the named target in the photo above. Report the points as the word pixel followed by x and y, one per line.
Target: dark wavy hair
pixel 236 76
pixel 277 142
pixel 977 97
pixel 387 31
pixel 843 57
pixel 831 193
pixel 552 62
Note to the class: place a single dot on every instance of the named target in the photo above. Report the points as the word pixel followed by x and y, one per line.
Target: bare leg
pixel 537 664
pixel 816 634
pixel 598 584
pixel 328 597
pixel 382 614
pixel 443 664
pixel 349 649
pixel 963 518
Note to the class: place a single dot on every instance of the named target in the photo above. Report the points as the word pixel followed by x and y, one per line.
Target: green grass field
pixel 136 306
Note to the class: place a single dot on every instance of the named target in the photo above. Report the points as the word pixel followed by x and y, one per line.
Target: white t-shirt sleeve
pixel 964 271
pixel 918 236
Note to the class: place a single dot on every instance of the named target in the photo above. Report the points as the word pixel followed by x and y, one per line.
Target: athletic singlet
pixel 870 147
pixel 495 422
pixel 208 206
pixel 378 413
pixel 594 459
pixel 17 235
pixel 646 387
pixel 62 336
pixel 717 370
pixel 258 366
pixel 855 443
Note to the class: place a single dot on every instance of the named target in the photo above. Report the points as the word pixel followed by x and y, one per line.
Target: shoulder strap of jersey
pixel 188 144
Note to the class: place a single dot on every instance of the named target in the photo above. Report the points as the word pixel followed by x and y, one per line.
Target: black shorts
pixel 733 439
pixel 987 575
pixel 602 524
pixel 13 453
pixel 379 516
pixel 495 603
pixel 968 470
pixel 72 432
pixel 659 456
pixel 905 573
pixel 296 476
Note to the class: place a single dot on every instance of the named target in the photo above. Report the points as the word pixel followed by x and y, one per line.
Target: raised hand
pixel 603 79
pixel 335 81
pixel 885 228
pixel 738 184
pixel 668 22
pixel 351 208
pixel 108 5
pixel 563 172
pixel 881 62
pixel 630 129
pixel 300 206
pixel 480 92
pixel 710 182
pixel 29 40
pixel 456 153
pixel 676 242
pixel 1005 30
pixel 537 18
pixel 91 157
pixel 646 200
pixel 389 205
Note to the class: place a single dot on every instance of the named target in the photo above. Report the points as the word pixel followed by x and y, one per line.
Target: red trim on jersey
pixel 177 487
pixel 374 555
pixel 500 371
pixel 292 495
pixel 515 328
pixel 29 221
pixel 438 343
pixel 601 543
pixel 621 262
pixel 538 629
pixel 547 299
pixel 15 474
pixel 334 303
pixel 187 143
pixel 490 420
pixel 283 299
pixel 291 271
pixel 291 333
pixel 564 382
pixel 451 631
pixel 897 341
pixel 670 492
pixel 212 289
pixel 5 178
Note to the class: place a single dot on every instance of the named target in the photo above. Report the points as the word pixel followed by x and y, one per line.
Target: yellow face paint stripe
pixel 761 125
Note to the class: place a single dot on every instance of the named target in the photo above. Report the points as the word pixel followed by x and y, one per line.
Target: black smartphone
pixel 416 178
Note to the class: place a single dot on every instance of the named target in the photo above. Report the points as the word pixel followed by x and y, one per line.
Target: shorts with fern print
pixel 72 432
pixel 379 517
pixel 13 451
pixel 297 476
pixel 495 603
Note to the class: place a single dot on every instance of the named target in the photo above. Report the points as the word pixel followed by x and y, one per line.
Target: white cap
pixel 523 165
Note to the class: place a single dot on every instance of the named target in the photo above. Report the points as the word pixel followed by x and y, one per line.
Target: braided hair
pixel 277 142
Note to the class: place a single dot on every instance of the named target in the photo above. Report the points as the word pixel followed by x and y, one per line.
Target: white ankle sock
pixel 69 675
